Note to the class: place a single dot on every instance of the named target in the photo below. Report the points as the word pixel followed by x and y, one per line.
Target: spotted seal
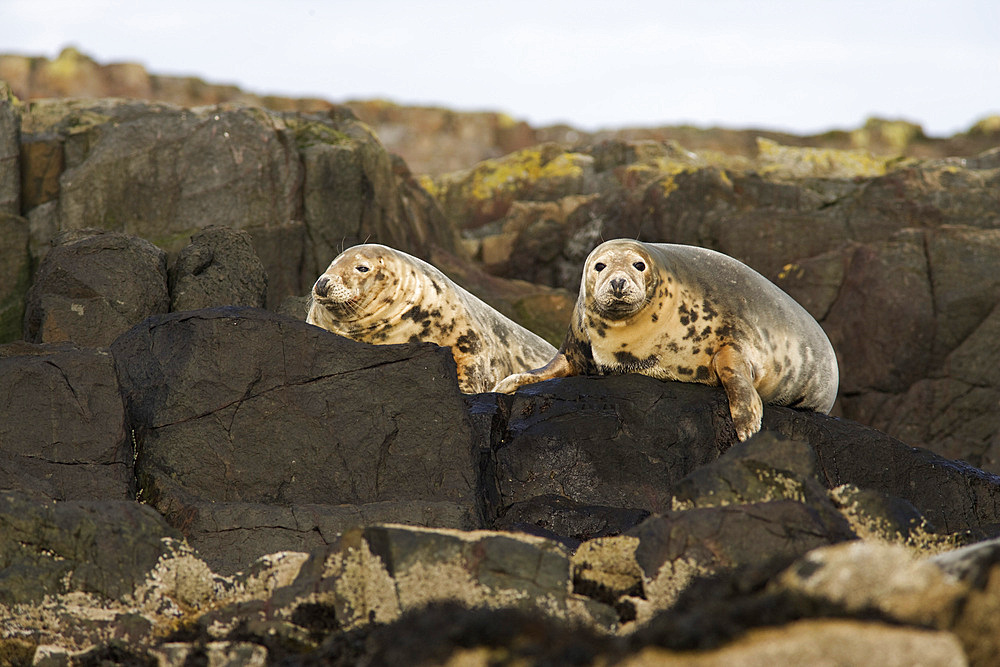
pixel 678 312
pixel 376 294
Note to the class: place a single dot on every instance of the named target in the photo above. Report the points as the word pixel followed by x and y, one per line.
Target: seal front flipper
pixel 558 367
pixel 737 377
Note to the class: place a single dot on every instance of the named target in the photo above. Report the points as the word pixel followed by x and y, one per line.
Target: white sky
pixel 803 66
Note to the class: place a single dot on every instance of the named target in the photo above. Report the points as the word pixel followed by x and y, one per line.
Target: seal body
pixel 376 294
pixel 685 313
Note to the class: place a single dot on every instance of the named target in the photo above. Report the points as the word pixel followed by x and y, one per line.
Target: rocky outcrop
pixel 436 140
pixel 303 186
pixel 899 264
pixel 324 505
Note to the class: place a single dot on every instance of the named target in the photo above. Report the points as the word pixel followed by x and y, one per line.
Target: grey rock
pixel 62 424
pixel 93 286
pixel 219 268
pixel 101 547
pixel 238 405
pixel 15 275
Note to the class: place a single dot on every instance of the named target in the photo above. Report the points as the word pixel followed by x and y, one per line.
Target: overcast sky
pixel 803 66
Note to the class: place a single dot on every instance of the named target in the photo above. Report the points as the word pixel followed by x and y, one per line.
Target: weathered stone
pixel 230 535
pixel 15 275
pixel 236 405
pixel 219 268
pixel 561 518
pixel 10 168
pixel 620 441
pixel 93 286
pixel 62 424
pixel 766 467
pixel 678 547
pixel 820 642
pixel 864 576
pixel 481 568
pixel 102 548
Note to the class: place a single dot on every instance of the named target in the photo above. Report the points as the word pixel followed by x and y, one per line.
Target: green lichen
pixel 311 133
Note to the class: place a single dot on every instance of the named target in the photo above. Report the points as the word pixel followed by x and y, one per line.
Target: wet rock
pixel 219 268
pixel 63 434
pixel 93 286
pixel 238 405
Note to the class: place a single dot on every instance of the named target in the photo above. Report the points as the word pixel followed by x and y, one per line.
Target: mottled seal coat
pixel 684 313
pixel 376 294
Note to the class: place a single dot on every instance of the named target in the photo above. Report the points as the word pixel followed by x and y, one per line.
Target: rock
pixel 480 569
pixel 302 185
pixel 10 169
pixel 93 286
pixel 211 393
pixel 15 275
pixel 865 576
pixel 219 268
pixel 620 441
pixel 766 467
pixel 486 192
pixel 103 548
pixel 677 547
pixel 820 642
pixel 561 518
pixel 75 445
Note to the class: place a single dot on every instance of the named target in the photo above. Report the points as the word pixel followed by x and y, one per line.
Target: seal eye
pixel 361 268
pixel 599 267
pixel 639 266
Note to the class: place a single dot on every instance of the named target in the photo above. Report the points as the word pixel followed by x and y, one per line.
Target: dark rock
pixel 620 441
pixel 434 634
pixel 677 546
pixel 62 424
pixel 93 286
pixel 628 441
pixel 105 548
pixel 219 268
pixel 15 275
pixel 230 535
pixel 10 137
pixel 558 517
pixel 765 467
pixel 236 405
pixel 952 495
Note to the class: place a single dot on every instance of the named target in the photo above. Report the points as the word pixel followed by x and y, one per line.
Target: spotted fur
pixel 375 294
pixel 691 314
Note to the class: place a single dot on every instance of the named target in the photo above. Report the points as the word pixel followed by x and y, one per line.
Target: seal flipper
pixel 736 375
pixel 558 367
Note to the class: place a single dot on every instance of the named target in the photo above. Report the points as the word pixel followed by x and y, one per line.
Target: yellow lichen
pixel 494 177
pixel 798 162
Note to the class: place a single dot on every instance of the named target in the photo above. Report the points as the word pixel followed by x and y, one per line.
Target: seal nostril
pixel 618 284
pixel 321 285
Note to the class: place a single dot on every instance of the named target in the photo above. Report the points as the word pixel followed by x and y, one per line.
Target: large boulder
pixel 629 441
pixel 15 275
pixel 303 185
pixel 63 434
pixel 92 286
pixel 219 268
pixel 245 421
